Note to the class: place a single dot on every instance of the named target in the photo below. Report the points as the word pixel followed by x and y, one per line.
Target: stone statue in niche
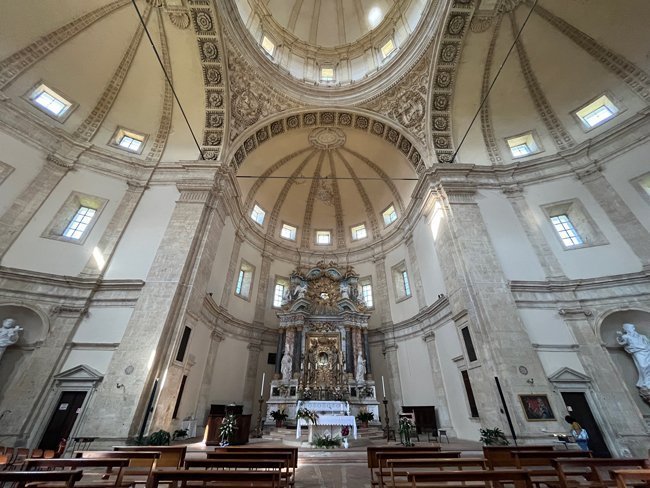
pixel 286 366
pixel 361 369
pixel 300 290
pixel 344 289
pixel 9 334
pixel 638 346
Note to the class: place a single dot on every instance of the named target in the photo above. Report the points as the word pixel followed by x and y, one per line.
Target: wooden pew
pixel 92 477
pixel 22 478
pixel 383 470
pixel 501 456
pixel 593 472
pixel 627 478
pixel 400 467
pixel 216 478
pixel 539 464
pixel 289 459
pixel 458 479
pixel 372 451
pixel 170 456
pixel 141 463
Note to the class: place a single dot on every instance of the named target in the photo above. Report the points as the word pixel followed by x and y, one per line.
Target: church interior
pixel 417 220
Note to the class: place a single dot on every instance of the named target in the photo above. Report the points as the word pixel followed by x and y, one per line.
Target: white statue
pixel 638 346
pixel 8 334
pixel 286 366
pixel 286 296
pixel 344 288
pixel 361 369
pixel 300 290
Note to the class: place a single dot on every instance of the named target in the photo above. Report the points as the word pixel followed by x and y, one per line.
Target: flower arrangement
pixel 227 429
pixel 326 441
pixel 367 392
pixel 406 426
pixel 309 415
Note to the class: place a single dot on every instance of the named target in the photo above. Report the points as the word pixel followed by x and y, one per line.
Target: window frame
pixel 270 40
pixel 327 80
pixel 317 232
pixel 122 132
pixel 68 211
pixel 383 212
pixel 402 287
pixel 295 232
pixel 383 44
pixel 249 291
pixel 528 138
pixel 564 221
pixel 367 281
pixel 361 226
pixel 31 95
pixel 284 282
pixel 638 183
pixel 253 209
pixel 582 222
pixel 615 102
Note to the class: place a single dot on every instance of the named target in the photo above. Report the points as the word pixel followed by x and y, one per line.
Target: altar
pixel 328 421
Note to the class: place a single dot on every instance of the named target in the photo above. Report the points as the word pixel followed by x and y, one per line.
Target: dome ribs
pixel 338 206
pixel 309 205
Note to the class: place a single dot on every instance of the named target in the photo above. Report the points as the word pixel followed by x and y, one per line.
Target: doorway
pixel 425 418
pixel 579 408
pixel 65 415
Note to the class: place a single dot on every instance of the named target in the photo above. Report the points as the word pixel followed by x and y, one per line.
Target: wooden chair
pixel 399 468
pixel 96 472
pixel 593 472
pixel 501 456
pixel 627 478
pixel 170 456
pixel 458 479
pixel 372 451
pixel 22 478
pixel 216 478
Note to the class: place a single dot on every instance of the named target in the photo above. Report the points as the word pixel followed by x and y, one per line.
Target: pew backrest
pixel 622 476
pixel 220 477
pixel 86 465
pixel 170 456
pixel 501 456
pixel 544 458
pixel 22 478
pixel 453 479
pixel 597 470
pixel 254 450
pixel 373 450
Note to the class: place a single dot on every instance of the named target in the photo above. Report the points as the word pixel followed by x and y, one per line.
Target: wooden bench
pixel 217 478
pixel 373 462
pixel 383 470
pixel 458 479
pixel 539 464
pixel 170 456
pixel 287 457
pixel 501 456
pixel 92 477
pixel 141 463
pixel 23 478
pixel 593 472
pixel 399 468
pixel 624 477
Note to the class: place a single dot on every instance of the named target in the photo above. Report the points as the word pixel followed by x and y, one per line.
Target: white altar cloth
pixel 328 420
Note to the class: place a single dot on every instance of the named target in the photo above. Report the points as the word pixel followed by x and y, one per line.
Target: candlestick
pixel 383 386
pixel 262 390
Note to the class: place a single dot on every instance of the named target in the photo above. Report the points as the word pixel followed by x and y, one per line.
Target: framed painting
pixel 537 407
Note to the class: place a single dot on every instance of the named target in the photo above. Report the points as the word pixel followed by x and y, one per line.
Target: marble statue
pixel 344 288
pixel 361 369
pixel 8 334
pixel 286 366
pixel 638 346
pixel 286 296
pixel 300 290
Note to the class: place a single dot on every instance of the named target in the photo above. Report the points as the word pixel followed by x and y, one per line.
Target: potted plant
pixel 345 432
pixel 405 428
pixel 279 416
pixel 309 415
pixel 364 416
pixel 227 429
pixel 493 437
pixel 179 434
pixel 326 441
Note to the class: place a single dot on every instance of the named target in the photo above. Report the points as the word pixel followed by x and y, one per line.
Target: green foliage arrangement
pixel 227 429
pixel 493 437
pixel 279 415
pixel 326 442
pixel 309 415
pixel 160 438
pixel 179 434
pixel 365 416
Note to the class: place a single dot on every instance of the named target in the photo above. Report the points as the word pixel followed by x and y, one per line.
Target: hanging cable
pixel 169 81
pixel 480 107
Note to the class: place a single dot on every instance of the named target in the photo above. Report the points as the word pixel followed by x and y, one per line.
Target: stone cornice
pixel 226 325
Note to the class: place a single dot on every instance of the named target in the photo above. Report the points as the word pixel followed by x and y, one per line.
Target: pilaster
pixel 232 269
pixel 394 382
pixel 381 303
pixel 415 271
pixel 263 288
pixel 252 367
pixel 203 404
pixel 439 392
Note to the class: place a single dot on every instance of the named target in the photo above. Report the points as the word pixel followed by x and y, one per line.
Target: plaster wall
pixel 262 368
pixel 546 327
pixel 33 252
pixel 95 358
pixel 513 249
pixel 407 307
pixel 449 347
pixel 230 372
pixel 430 271
pixel 221 261
pixel 137 248
pixel 612 258
pixel 415 374
pixel 379 370
pixel 103 325
pixel 26 161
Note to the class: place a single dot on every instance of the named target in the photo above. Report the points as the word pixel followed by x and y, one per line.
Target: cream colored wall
pixel 511 245
pixel 408 307
pixel 430 271
pixel 415 372
pixel 230 372
pixel 244 309
pixel 137 248
pixel 26 161
pixel 31 251
pixel 221 261
pixel 96 359
pixel 103 325
pixel 616 257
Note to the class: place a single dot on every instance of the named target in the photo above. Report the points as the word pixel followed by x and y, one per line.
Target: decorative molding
pixel 633 76
pixel 374 224
pixel 568 375
pixel 89 127
pixel 5 171
pixel 15 64
pixel 444 77
pixel 338 206
pixel 561 137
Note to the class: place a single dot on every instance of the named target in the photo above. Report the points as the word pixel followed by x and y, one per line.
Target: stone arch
pixel 254 137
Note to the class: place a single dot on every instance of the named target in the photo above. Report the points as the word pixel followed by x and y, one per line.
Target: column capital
pixel 254 346
pixel 513 191
pixel 135 185
pixel 457 192
pixel 60 163
pixel 390 347
pixel 194 191
pixel 217 336
pixel 429 337
pixel 589 172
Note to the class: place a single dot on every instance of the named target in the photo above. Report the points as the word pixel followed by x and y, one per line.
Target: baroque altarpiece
pixel 323 360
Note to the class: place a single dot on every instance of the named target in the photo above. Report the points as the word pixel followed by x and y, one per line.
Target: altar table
pixel 328 420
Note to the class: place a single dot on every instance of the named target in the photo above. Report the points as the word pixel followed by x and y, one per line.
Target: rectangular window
pixel 278 292
pixel 258 214
pixel 182 347
pixel 327 74
pixel 288 232
pixel 407 286
pixel 359 232
pixel 323 237
pixel 366 294
pixel 597 112
pixel 401 281
pixel 130 143
pixel 469 345
pixel 523 145
pixel 179 397
pixel 128 140
pixel 50 102
pixel 244 280
pixel 566 231
pixel 470 394
pixel 389 215
pixel 268 45
pixel 79 223
pixel 387 48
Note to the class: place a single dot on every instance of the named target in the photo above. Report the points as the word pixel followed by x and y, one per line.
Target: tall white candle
pixel 262 390
pixel 383 386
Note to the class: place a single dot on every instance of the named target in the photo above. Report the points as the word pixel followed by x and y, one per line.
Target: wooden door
pixel 425 417
pixel 63 418
pixel 582 413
